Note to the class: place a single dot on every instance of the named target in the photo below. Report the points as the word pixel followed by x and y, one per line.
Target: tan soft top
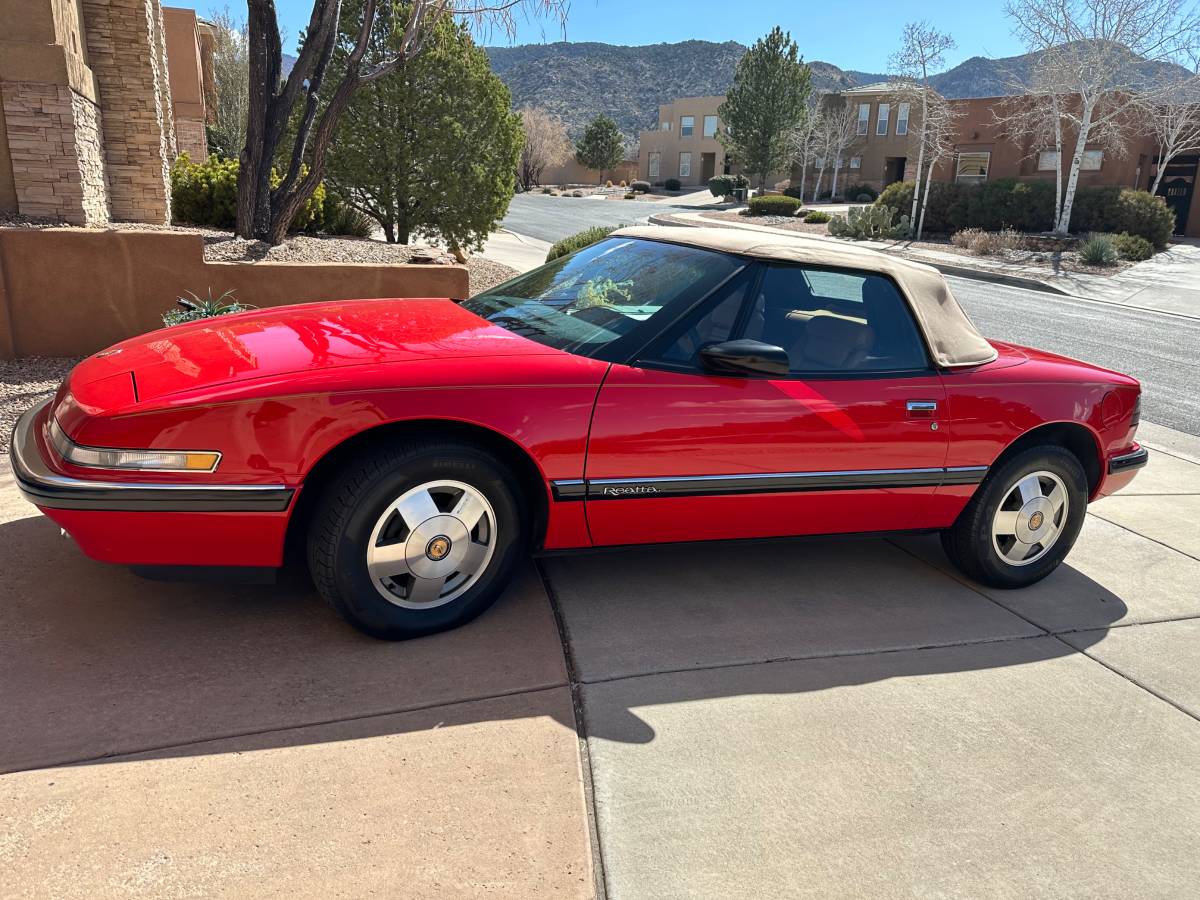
pixel 950 335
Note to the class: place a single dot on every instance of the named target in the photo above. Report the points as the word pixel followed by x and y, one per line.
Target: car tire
pixel 1014 532
pixel 397 521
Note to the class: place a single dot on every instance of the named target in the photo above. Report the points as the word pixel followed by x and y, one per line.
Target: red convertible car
pixel 665 384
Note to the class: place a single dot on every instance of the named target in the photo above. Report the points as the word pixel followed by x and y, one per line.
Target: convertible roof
pixel 950 335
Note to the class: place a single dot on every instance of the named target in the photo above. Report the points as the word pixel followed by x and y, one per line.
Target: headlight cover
pixel 131 460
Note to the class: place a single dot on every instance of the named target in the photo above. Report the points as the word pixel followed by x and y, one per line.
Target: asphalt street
pixel 554 218
pixel 1162 351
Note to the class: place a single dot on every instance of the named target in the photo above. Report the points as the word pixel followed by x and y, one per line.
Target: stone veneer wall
pixel 127 52
pixel 54 139
pixel 192 139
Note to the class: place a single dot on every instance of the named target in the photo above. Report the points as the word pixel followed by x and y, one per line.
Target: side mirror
pixel 741 357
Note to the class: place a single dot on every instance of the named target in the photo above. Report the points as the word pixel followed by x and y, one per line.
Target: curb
pixel 1032 284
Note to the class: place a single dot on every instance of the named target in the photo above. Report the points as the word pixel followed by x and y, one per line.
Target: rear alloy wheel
pixel 412 541
pixel 1022 521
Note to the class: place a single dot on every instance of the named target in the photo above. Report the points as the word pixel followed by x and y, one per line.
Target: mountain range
pixel 577 81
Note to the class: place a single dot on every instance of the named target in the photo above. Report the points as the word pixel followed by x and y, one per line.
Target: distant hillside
pixel 577 81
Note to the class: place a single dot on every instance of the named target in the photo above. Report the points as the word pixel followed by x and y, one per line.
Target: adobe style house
pixel 684 146
pixel 99 97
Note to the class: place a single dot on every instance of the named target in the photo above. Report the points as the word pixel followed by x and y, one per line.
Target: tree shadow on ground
pixel 96 663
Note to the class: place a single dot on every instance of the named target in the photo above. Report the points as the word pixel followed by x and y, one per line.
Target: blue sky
pixel 853 35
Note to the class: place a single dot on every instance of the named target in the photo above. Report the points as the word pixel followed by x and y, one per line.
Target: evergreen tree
pixel 431 148
pixel 601 146
pixel 765 105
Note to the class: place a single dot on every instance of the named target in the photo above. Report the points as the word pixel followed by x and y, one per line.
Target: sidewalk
pixel 836 717
pixel 1169 282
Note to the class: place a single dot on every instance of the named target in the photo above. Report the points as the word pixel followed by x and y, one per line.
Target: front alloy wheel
pixel 432 544
pixel 416 539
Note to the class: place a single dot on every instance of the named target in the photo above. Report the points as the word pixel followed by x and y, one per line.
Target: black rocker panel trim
pixel 770 483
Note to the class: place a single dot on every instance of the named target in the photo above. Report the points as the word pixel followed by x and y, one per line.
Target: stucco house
pixel 98 98
pixel 684 145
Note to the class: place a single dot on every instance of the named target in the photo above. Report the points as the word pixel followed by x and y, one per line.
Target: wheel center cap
pixel 438 548
pixel 1035 521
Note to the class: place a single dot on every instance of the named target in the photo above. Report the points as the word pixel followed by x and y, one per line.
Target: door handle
pixel 921 409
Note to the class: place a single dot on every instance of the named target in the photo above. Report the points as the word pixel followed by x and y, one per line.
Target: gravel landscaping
pixel 25 383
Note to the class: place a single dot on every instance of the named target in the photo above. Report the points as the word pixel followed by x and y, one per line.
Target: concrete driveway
pixel 831 717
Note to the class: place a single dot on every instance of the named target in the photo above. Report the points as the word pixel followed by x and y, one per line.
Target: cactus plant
pixel 869 222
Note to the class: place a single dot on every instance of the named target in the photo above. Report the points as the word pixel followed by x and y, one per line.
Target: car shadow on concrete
pixel 96 663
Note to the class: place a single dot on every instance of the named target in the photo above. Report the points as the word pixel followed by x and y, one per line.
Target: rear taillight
pixel 1137 412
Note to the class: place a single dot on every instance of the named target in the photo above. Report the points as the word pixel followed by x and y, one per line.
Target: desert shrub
pixel 673 184
pixel 343 220
pixel 206 194
pixel 1097 250
pixel 774 205
pixel 608 183
pixel 1008 203
pixel 985 243
pixel 721 185
pixel 547 190
pixel 576 193
pixel 1132 246
pixel 1096 209
pixel 580 240
pixel 1145 215
pixel 192 308
pixel 816 217
pixel 640 187
pixel 630 195
pixel 623 184
pixel 897 195
pixel 964 237
pixel 865 222
pixel 793 190
pixel 861 193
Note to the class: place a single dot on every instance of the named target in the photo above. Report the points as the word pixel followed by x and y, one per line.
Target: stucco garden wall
pixel 71 292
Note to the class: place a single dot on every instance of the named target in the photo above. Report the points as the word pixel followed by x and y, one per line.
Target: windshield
pixel 586 301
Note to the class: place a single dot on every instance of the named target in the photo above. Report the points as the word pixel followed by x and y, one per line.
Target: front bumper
pixel 47 489
pixel 144 524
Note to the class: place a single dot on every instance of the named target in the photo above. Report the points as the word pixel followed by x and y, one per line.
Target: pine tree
pixel 601 146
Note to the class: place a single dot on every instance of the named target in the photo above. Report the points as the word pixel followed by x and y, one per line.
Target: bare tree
pixel 939 138
pixel 1171 117
pixel 546 145
pixel 805 141
pixel 840 129
pixel 1088 51
pixel 922 48
pixel 231 76
pixel 265 212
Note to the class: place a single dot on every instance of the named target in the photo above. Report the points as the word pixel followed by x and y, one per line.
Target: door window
pixel 713 323
pixel 835 321
pixel 685 165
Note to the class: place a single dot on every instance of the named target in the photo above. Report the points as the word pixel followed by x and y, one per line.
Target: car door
pixel 850 440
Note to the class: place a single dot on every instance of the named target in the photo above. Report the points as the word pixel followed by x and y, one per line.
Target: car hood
pixel 291 339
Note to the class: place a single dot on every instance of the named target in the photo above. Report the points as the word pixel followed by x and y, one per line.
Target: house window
pixel 1047 160
pixel 653 164
pixel 1092 160
pixel 856 162
pixel 685 165
pixel 710 126
pixel 973 167
pixel 819 162
pixel 864 116
pixel 881 123
pixel 687 124
pixel 665 126
pixel 902 119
